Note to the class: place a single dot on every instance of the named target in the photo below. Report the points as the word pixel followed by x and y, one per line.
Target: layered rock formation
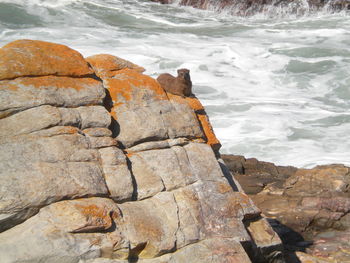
pixel 251 7
pixel 309 208
pixel 99 164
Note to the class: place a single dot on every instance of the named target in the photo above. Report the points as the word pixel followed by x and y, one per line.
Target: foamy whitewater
pixel 276 86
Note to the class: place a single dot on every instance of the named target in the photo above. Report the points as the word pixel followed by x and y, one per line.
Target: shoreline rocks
pixel 100 164
pixel 308 208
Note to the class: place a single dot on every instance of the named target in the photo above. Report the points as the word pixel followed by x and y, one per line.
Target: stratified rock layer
pixel 311 204
pixel 112 169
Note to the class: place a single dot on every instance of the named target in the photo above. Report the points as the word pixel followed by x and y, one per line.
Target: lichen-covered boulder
pixel 106 65
pixel 113 169
pixel 40 58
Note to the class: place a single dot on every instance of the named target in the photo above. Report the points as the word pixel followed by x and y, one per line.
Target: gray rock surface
pixel 113 170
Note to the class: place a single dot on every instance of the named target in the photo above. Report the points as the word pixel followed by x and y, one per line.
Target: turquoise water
pixel 276 85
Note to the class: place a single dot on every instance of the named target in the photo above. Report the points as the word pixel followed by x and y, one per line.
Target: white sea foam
pixel 276 89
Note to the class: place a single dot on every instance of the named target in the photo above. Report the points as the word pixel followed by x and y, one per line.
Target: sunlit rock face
pixel 99 164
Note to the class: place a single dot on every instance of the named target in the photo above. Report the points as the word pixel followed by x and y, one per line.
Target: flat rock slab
pixel 24 93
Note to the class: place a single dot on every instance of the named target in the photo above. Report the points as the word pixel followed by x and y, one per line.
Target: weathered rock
pixel 158 145
pixel 37 171
pixel 24 93
pixel 141 106
pixel 117 174
pixel 216 250
pixel 311 204
pixel 131 181
pixel 98 132
pixel 105 65
pixel 151 224
pixel 202 117
pixel 325 180
pixel 64 232
pixel 39 58
pixel 266 240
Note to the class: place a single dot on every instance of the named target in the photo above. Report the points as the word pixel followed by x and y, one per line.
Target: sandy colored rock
pixel 31 120
pixel 202 117
pixel 24 93
pixel 43 117
pixel 111 170
pixel 37 171
pixel 98 132
pixel 117 174
pixel 104 64
pixel 174 172
pixel 214 250
pixel 64 232
pixel 140 105
pixel 181 166
pixel 158 145
pixel 267 241
pixel 151 223
pixel 38 58
pixel 148 182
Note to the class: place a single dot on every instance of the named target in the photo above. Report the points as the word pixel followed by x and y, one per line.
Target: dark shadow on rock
pixel 226 172
pixel 133 180
pixel 292 241
pixel 114 127
pixel 108 104
pixel 134 253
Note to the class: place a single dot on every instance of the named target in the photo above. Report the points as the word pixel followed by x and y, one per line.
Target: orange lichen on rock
pixel 224 188
pixel 97 217
pixel 49 81
pixel 128 84
pixel 209 132
pixel 38 58
pixel 105 65
pixel 202 117
pixel 192 101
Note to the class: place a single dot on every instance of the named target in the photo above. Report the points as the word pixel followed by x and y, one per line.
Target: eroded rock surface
pixel 102 165
pixel 309 208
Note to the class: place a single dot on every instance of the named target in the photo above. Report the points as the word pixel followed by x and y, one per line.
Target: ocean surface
pixel 276 86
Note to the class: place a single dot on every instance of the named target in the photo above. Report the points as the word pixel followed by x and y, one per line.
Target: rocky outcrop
pixel 99 164
pixel 251 7
pixel 309 208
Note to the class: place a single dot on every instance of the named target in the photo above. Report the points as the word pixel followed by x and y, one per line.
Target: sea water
pixel 276 85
